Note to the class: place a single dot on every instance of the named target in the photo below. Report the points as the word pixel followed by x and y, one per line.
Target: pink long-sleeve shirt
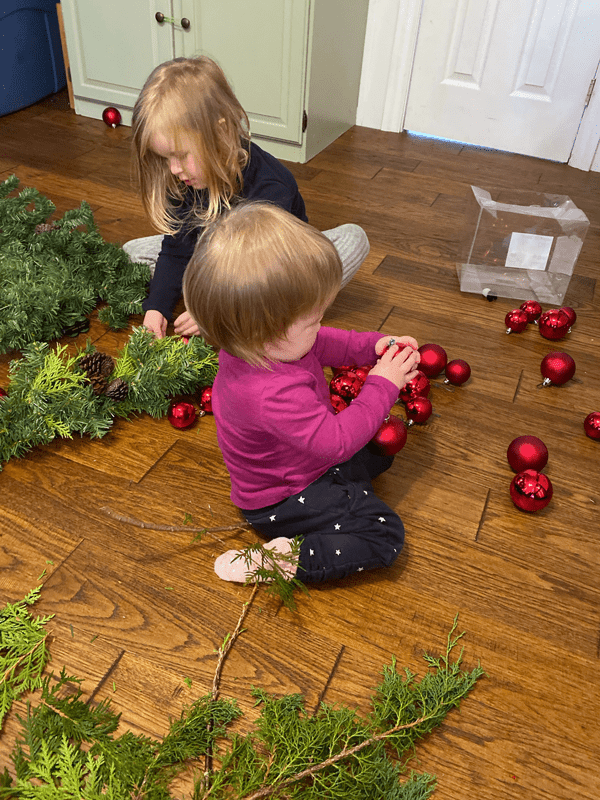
pixel 276 427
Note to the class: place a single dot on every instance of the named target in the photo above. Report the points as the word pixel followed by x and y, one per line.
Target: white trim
pixel 586 143
pixel 390 44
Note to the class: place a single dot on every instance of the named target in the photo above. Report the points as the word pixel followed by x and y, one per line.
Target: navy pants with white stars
pixel 344 526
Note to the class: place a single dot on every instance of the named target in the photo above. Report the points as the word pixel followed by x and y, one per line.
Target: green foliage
pixel 51 279
pixel 271 570
pixel 49 397
pixel 23 651
pixel 71 749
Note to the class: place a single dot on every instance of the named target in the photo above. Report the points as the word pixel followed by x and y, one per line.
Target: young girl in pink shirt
pixel 257 286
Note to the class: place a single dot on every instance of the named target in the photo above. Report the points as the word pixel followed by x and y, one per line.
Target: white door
pixel 506 74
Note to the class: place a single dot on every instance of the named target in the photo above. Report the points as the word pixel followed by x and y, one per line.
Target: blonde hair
pixel 254 272
pixel 189 97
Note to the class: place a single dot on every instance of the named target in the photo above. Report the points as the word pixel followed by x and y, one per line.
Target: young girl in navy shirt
pixel 258 285
pixel 193 158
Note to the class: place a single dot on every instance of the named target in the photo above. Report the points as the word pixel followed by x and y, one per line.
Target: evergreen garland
pixel 71 749
pixel 52 275
pixel 49 396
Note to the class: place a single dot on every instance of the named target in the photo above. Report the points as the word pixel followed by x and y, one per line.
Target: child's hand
pixel 156 323
pixel 185 325
pixel 384 342
pixel 399 367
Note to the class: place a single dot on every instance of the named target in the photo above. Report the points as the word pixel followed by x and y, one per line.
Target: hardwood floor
pixel 137 611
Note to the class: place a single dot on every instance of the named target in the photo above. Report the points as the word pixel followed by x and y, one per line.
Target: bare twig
pixel 229 642
pixel 151 526
pixel 306 773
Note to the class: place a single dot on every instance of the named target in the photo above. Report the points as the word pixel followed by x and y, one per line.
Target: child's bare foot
pixel 239 565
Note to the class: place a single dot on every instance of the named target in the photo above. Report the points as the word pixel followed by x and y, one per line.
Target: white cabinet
pixel 293 64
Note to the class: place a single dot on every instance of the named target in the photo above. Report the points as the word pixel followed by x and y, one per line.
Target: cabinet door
pixel 114 45
pixel 262 48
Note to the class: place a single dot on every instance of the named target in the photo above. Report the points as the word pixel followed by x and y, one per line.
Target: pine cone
pixel 117 389
pixel 44 227
pixel 98 383
pixel 97 364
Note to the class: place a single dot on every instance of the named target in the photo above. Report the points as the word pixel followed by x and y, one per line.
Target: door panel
pixel 263 56
pixel 113 46
pixel 504 75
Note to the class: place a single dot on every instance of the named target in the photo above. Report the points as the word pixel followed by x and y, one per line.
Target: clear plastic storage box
pixel 523 245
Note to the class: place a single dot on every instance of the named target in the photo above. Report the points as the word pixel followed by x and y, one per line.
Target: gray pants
pixel 350 241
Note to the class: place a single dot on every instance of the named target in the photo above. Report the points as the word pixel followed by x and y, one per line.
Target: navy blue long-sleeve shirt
pixel 264 178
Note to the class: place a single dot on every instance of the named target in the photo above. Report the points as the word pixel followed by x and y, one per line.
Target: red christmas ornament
pixel 532 308
pixel 527 452
pixel 591 425
pixel 346 384
pixel 417 387
pixel 181 414
pixel 206 399
pixel 433 359
pixel 557 368
pixel 418 410
pixel 111 116
pixel 390 438
pixel 516 320
pixel 346 368
pixel 338 403
pixel 554 324
pixel 363 371
pixel 3 392
pixel 457 372
pixel 531 490
pixel 401 346
pixel 570 312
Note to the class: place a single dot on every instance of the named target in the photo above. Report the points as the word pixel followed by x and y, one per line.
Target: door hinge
pixel 590 91
pixel 304 121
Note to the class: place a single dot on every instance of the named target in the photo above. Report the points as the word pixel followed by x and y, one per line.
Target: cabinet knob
pixel 159 16
pixel 185 23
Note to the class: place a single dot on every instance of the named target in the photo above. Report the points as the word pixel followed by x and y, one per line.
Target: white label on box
pixel 528 251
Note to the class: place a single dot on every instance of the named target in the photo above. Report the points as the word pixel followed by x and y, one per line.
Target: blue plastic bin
pixel 31 59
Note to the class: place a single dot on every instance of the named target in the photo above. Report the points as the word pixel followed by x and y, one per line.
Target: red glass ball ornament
pixel 532 308
pixel 363 371
pixel 591 425
pixel 557 368
pixel 345 368
pixel 390 438
pixel 417 387
pixel 3 392
pixel 516 320
pixel 531 490
pixel 111 116
pixel 418 410
pixel 527 452
pixel 570 312
pixel 181 414
pixel 206 399
pixel 457 372
pixel 554 324
pixel 401 347
pixel 338 403
pixel 346 384
pixel 433 359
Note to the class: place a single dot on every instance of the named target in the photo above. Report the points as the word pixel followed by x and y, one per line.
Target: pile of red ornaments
pixel 530 489
pixel 552 324
pixel 391 437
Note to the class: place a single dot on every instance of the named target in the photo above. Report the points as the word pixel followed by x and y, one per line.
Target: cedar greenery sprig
pixel 23 651
pixel 269 568
pixel 49 397
pixel 53 275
